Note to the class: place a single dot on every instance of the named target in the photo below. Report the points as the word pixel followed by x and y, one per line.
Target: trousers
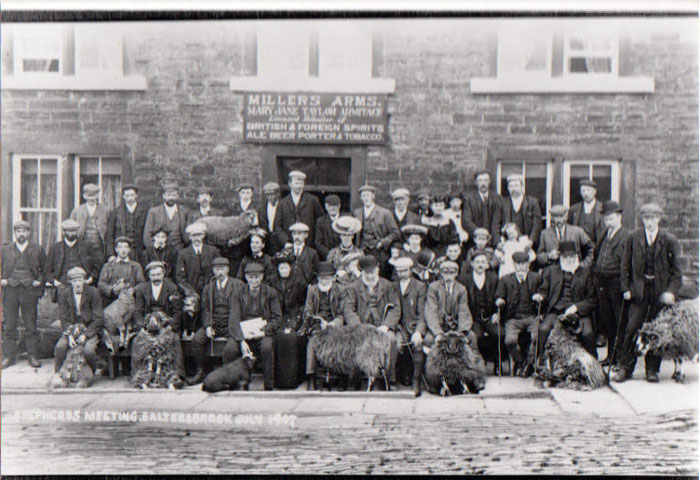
pixel 16 299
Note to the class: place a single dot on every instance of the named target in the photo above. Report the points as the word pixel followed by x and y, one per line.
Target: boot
pixel 32 361
pixel 196 378
pixel 7 362
pixel 310 382
pixel 621 376
pixel 416 387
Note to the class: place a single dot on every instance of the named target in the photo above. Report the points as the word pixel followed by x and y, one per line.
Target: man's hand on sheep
pixel 245 349
pixel 71 342
pixel 667 298
pixel 383 328
pixel 209 332
pixel 495 317
pixel 500 302
pixel 416 339
pixel 537 298
pixel 571 310
pixel 627 295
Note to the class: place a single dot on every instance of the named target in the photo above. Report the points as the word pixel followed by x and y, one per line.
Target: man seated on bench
pixel 219 318
pixel 160 294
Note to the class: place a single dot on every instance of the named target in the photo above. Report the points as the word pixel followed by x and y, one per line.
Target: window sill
pixel 563 85
pixel 313 84
pixel 73 82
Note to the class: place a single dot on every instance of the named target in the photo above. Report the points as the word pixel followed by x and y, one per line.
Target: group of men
pixel 412 273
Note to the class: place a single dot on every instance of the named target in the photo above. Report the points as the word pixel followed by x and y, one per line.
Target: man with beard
pixel 70 252
pixel 23 270
pixel 298 207
pixel 481 208
pixel 560 231
pixel 379 230
pixel 588 214
pixel 267 213
pixel 326 238
pixel 127 220
pixel 169 215
pixel 120 273
pixel 92 218
pixel 160 251
pixel 523 210
pixel 193 269
pixel 204 202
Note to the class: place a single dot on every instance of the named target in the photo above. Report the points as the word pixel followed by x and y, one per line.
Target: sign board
pixel 270 117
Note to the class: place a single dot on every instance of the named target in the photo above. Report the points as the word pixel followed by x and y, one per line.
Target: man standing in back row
pixel 298 207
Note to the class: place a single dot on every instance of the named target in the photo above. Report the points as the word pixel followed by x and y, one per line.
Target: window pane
pixel 536 183
pixel 334 171
pixel 29 183
pixel 111 189
pixel 39 65
pixel 602 174
pixel 111 166
pixel 48 182
pixel 44 226
pixel 590 64
pixel 89 166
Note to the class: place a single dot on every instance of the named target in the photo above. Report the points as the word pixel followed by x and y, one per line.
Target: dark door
pixel 324 176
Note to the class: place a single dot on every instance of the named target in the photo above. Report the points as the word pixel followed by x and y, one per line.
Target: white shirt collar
pixel 298 249
pixel 613 231
pixel 400 215
pixel 131 209
pixel 155 291
pixel 171 211
pixel 197 250
pixel 651 236
pixel 245 206
pixel 221 285
pixel 296 198
pixel 479 279
pixel 588 207
pixel 517 202
pixel 91 210
pixel 22 246
pixel 404 284
pixel 368 210
pixel 70 243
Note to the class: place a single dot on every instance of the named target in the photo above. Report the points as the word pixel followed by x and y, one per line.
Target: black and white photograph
pixel 314 239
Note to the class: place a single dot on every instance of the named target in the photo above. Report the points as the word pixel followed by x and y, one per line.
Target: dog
pixel 673 334
pixel 75 371
pixel 232 376
pixel 118 315
pixel 567 363
pixel 153 362
pixel 190 317
pixel 453 367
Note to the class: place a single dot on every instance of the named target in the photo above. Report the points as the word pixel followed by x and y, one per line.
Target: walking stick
pixel 617 336
pixel 537 333
pixel 498 324
pixel 211 318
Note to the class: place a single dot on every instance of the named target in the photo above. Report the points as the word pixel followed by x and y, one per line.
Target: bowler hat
pixel 332 199
pixel 21 224
pixel 245 185
pixel 567 248
pixel 412 228
pixel 611 206
pixel 123 239
pixel 130 186
pixel 521 257
pixel 220 262
pixel 170 185
pixel 368 262
pixel 325 269
pixel 254 268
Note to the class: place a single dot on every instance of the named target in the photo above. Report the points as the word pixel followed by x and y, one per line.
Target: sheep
pixel 453 367
pixel 224 231
pixel 75 372
pixel 567 363
pixel 153 355
pixel 673 334
pixel 350 349
pixel 118 316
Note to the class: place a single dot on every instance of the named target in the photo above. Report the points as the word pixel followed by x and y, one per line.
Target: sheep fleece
pixel 347 349
pixel 464 364
pixel 675 331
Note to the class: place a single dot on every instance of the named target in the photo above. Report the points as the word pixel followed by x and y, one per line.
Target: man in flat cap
pixel 568 289
pixel 373 300
pixel 412 328
pixel 92 218
pixel 219 316
pixel 120 273
pixel 160 251
pixel 22 284
pixel 305 258
pixel 80 303
pixel 523 210
pixel 346 227
pixel 257 254
pixel 193 265
pixel 609 251
pixel 204 206
pixel 379 230
pixel 326 238
pixel 128 219
pixel 422 207
pixel 588 214
pixel 71 252
pixel 245 200
pixel 298 207
pixel 560 231
pixel 482 207
pixel 402 215
pixel 170 215
pixel 651 277
pixel 267 213
pixel 517 295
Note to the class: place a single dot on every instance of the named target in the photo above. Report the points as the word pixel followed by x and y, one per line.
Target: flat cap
pixel 514 177
pixel 400 193
pixel 70 224
pixel 423 192
pixel 481 172
pixel 558 210
pixel 21 224
pixel 76 272
pixel 332 199
pixel 154 264
pixel 170 185
pixel 366 187
pixel 346 225
pixel 650 209
pixel 124 239
pixel 220 262
pixel 299 227
pixel 270 187
pixel 449 265
pixel 412 228
pixel 245 185
pixel 481 232
pixel 403 262
pixel 130 186
pixel 204 190
pixel 367 262
pixel 296 174
pixel 196 228
pixel 567 248
pixel 325 269
pixel 90 190
pixel 587 182
pixel 258 232
pixel 611 206
pixel 478 253
pixel 521 257
pixel 254 268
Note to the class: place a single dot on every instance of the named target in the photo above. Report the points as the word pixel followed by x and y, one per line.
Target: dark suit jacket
pixel 232 292
pixel 410 218
pixel 412 307
pixel 508 289
pixel 265 261
pixel 291 296
pixel 188 273
pixel 615 247
pixel 574 218
pixel 313 300
pixel 169 301
pixel 307 211
pixel 325 238
pixel 667 268
pixel 379 226
pixel 582 289
pixel 35 256
pixel 88 260
pixel 157 217
pixel 572 233
pixel 116 227
pixel 533 216
pixel 356 304
pixel 490 284
pixel 471 214
pixel 274 242
pixel 91 313
pixel 437 304
pixel 269 306
pixel 306 265
pixel 167 256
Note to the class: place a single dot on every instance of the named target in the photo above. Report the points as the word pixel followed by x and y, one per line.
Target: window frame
pixel 25 33
pixel 17 209
pixel 614 54
pixel 76 175
pixel 549 180
pixel 615 176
